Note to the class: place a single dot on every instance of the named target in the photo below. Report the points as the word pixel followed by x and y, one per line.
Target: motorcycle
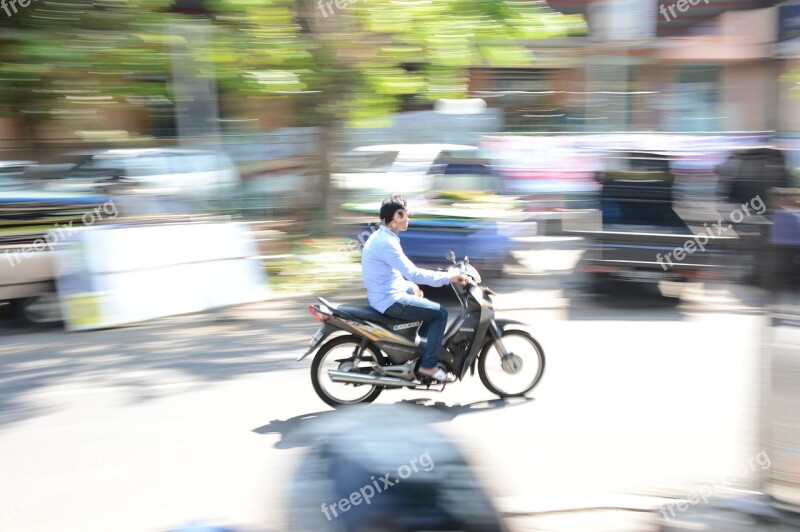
pixel 378 353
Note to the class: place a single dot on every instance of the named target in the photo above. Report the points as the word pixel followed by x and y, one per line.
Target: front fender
pixel 501 325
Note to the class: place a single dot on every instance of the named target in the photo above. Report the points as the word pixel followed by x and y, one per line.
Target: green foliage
pixel 70 59
pixel 443 39
pixel 61 61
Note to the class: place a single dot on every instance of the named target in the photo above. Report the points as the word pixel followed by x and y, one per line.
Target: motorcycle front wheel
pixel 518 374
pixel 339 355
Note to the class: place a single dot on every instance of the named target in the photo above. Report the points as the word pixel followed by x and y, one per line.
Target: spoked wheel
pixel 339 355
pixel 519 372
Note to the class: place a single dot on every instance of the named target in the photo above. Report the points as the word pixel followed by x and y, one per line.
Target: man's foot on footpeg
pixel 437 374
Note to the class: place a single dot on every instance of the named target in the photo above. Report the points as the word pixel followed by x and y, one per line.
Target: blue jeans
pixel 434 316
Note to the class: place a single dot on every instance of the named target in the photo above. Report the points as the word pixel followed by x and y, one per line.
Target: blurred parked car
pixel 12 174
pixel 463 212
pixel 385 168
pixel 465 175
pixel 34 223
pixel 174 172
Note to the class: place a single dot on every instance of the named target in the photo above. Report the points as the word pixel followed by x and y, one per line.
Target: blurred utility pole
pixel 616 27
pixel 194 87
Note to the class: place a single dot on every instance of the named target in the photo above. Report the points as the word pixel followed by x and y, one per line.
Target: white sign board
pixel 112 275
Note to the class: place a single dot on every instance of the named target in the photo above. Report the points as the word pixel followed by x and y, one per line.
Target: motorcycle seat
pixel 362 313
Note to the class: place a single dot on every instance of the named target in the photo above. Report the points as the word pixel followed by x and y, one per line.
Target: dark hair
pixel 391 205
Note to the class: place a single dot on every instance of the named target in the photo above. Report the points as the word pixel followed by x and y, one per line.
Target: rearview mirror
pixel 451 256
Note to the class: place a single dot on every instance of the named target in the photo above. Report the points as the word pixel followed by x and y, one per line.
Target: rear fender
pixel 327 330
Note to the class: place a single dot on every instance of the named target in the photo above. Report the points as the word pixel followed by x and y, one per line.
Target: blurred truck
pixel 639 237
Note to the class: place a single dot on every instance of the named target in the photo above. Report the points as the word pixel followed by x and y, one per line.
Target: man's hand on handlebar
pixel 460 278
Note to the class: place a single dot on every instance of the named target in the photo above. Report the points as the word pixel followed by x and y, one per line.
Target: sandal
pixel 439 375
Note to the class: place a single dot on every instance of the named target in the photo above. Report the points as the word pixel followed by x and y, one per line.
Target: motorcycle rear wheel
pixel 335 393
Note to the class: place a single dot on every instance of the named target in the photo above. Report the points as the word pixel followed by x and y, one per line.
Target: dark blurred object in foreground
pixel 385 468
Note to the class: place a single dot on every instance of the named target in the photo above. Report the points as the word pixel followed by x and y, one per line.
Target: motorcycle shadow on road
pixel 303 430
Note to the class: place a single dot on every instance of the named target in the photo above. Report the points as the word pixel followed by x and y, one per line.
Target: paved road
pixel 202 417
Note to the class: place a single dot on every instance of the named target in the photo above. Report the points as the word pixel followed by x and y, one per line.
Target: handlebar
pixel 470 280
pixel 463 266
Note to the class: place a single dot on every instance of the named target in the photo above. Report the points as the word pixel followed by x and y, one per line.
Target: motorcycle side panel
pixel 407 331
pixel 405 334
pixel 400 353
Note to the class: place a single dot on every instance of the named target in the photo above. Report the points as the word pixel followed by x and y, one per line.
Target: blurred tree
pixel 349 61
pixel 352 62
pixel 355 62
pixel 65 64
pixel 344 61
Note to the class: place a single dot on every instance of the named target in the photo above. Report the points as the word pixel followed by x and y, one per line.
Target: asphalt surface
pixel 205 417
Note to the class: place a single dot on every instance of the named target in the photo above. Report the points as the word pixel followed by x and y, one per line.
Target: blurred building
pixel 655 65
pixel 714 66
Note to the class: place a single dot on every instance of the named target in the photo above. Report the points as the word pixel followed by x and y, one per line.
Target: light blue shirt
pixel 389 274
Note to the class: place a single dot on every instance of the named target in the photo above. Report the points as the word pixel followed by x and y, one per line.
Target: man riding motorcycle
pixel 392 282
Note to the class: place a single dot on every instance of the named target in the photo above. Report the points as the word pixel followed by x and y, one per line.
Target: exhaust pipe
pixel 358 378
